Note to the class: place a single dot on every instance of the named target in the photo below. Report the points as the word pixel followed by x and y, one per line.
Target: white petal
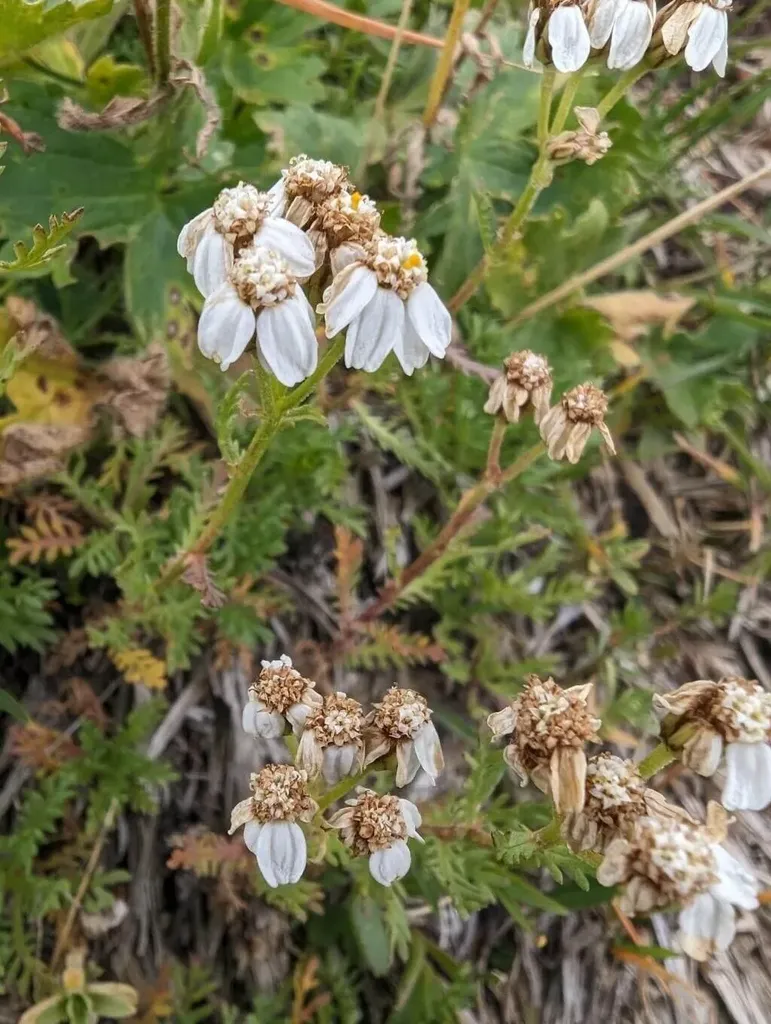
pixel 410 350
pixel 375 331
pixel 429 750
pixel 528 50
pixel 568 38
pixel 359 288
pixel 387 865
pixel 706 925
pixel 601 22
pixel 286 340
pixel 210 262
pixel 296 715
pixel 290 242
pixel 721 58
pixel 631 34
pixel 252 831
pixel 748 777
pixel 412 818
pixel 277 194
pixel 190 235
pixel 258 721
pixel 344 255
pixel 407 764
pixel 430 318
pixel 706 36
pixel 226 326
pixel 281 852
pixel 339 762
pixel 736 883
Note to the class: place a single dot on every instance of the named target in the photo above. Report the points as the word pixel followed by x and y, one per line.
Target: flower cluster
pixel 337 742
pixel 566 33
pixel 251 252
pixel 658 854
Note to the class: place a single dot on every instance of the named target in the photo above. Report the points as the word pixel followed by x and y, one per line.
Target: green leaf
pixel 655 952
pixel 227 414
pixel 152 267
pixel 262 75
pixel 27 24
pixel 371 934
pixel 112 999
pixel 10 706
pixel 519 890
pixel 94 171
pixel 45 244
pixel 301 129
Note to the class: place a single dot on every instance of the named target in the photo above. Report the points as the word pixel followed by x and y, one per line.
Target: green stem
pixel 659 758
pixel 550 834
pixel 249 462
pixel 611 98
pixel 342 789
pixel 162 40
pixel 566 103
pixel 540 176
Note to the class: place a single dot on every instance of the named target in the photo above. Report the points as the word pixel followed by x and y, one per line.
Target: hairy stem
pixel 252 457
pixel 162 40
pixel 144 28
pixel 470 501
pixel 540 176
pixel 444 65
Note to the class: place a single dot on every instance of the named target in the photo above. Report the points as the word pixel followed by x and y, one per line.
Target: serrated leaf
pixel 226 418
pixel 45 244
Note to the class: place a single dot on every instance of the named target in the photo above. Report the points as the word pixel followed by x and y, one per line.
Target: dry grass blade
pixel 360 23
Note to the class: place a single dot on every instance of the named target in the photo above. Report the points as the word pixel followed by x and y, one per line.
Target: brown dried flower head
pixel 279 793
pixel 370 822
pixel 402 722
pixel 566 427
pixel 616 798
pixel 549 727
pixel 348 217
pixel 332 741
pixel 662 863
pixel 279 686
pixel 306 184
pixel 587 144
pixel 525 384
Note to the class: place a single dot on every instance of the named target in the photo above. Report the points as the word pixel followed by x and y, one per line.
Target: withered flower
pixel 402 722
pixel 304 185
pixel 332 740
pixel 616 798
pixel 678 862
pixel 378 826
pixel 524 385
pixel 731 717
pixel 549 727
pixel 279 693
pixel 279 799
pixel 697 27
pixel 566 427
pixel 588 144
pixel 344 218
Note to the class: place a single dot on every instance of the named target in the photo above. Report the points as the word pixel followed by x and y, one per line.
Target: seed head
pixel 548 716
pixel 281 794
pixel 279 685
pixel 401 713
pixel 314 180
pixel 373 823
pixel 348 217
pixel 526 381
pixel 338 721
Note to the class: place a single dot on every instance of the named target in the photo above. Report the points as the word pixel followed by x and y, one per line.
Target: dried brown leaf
pixel 34 450
pixel 631 313
pixel 198 576
pixel 135 390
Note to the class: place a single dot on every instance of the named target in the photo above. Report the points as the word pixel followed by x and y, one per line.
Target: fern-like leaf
pixel 52 535
pixel 139 666
pixel 45 244
pixel 386 646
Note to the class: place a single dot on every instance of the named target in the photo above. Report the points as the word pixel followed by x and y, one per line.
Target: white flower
pixel 628 24
pixel 238 216
pixel 279 693
pixel 708 924
pixel 332 742
pixel 384 299
pixel 379 826
pixel 704 24
pixel 260 294
pixel 731 717
pixel 304 185
pixel 402 721
pixel 568 38
pixel 280 796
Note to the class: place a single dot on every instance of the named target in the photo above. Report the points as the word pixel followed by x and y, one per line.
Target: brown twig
pixel 490 481
pixel 360 23
pixel 629 252
pixel 93 860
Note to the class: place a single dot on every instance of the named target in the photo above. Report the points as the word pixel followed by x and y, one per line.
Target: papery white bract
pixel 700 27
pixel 260 294
pixel 237 217
pixel 382 296
pixel 568 38
pixel 708 924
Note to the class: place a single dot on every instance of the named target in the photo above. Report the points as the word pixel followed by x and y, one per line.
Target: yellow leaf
pixel 624 354
pixel 51 393
pixel 139 666
pixel 631 313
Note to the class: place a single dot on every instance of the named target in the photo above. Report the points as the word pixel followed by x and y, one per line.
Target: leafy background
pixel 636 573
